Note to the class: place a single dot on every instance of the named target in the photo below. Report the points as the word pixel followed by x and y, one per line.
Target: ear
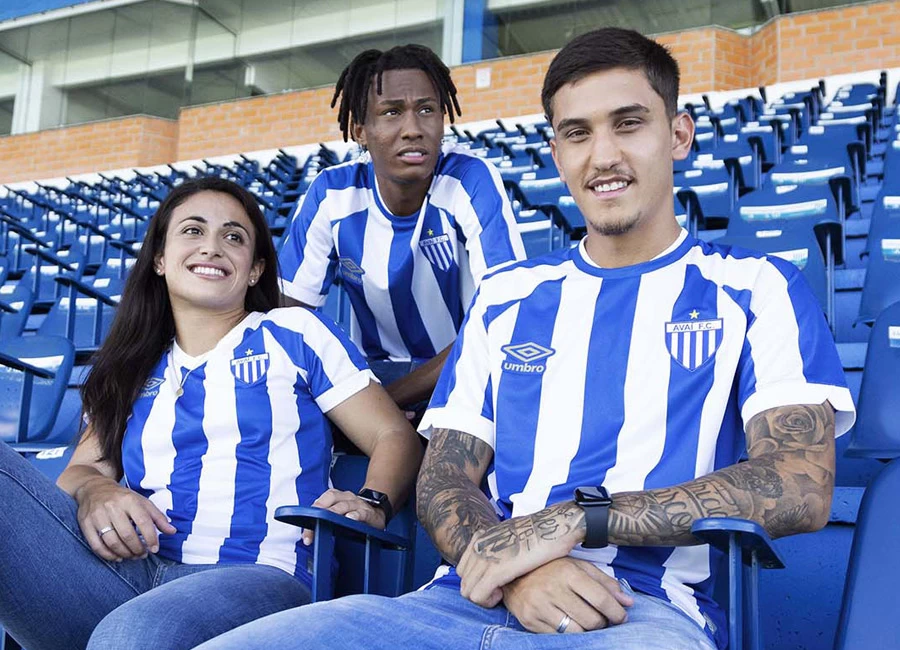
pixel 682 135
pixel 159 265
pixel 555 154
pixel 256 271
pixel 358 133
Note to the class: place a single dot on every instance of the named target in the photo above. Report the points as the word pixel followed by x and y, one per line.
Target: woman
pixel 211 404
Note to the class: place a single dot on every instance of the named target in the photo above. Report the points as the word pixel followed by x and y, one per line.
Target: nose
pixel 411 129
pixel 606 154
pixel 211 246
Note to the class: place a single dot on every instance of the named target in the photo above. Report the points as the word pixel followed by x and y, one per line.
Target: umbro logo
pixel 351 271
pixel 526 358
pixel 151 387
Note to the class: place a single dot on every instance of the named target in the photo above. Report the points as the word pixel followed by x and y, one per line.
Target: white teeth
pixel 412 154
pixel 208 270
pixel 610 187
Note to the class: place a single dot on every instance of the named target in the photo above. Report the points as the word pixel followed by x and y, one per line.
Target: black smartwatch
pixel 379 500
pixel 595 502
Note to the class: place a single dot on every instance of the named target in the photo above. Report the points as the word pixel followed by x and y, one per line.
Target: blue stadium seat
pixel 882 285
pixel 16 301
pixel 868 616
pixel 877 433
pixel 370 560
pixel 34 374
pixel 747 549
pixel 83 315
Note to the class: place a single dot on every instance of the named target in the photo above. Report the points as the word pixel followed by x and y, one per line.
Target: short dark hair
pixel 143 327
pixel 608 48
pixel 356 79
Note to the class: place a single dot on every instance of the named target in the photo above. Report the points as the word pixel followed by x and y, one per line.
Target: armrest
pixel 327 526
pixel 309 517
pixel 52 258
pixel 87 290
pixel 749 536
pixel 22 366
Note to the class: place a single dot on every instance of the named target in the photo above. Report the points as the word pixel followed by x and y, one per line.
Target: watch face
pixel 592 496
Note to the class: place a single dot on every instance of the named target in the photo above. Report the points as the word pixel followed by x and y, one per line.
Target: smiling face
pixel 403 131
pixel 208 260
pixel 614 146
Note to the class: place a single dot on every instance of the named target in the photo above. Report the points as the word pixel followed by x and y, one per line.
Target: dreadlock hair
pixel 356 79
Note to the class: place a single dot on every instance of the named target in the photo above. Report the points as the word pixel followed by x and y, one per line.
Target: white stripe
pixel 375 260
pixel 674 344
pixel 284 459
pixel 429 300
pixel 558 433
pixel 686 350
pixel 686 565
pixel 698 349
pixel 215 496
pixel 156 444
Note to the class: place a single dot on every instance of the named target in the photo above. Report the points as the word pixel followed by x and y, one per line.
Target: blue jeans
pixel 54 591
pixel 441 618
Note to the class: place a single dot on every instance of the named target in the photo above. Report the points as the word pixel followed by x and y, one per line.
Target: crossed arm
pixel 786 486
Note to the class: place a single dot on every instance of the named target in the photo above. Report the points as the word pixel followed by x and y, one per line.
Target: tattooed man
pixel 604 395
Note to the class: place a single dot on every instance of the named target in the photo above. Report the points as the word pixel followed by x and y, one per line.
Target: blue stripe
pixel 519 394
pixel 406 311
pixel 604 386
pixel 448 280
pixel 446 382
pixel 821 364
pixel 132 452
pixel 487 201
pixel 291 256
pixel 253 473
pixel 350 244
pixel 190 445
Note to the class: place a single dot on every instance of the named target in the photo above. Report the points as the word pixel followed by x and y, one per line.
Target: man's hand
pixel 566 587
pixel 500 554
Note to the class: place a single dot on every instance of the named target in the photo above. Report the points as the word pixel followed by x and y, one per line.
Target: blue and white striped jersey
pixel 219 447
pixel 409 279
pixel 634 378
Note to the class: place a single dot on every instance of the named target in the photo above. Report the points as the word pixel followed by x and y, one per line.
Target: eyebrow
pixel 402 102
pixel 227 224
pixel 630 109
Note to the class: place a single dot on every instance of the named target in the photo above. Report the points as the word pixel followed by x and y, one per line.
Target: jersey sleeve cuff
pixel 444 418
pixel 793 393
pixel 304 295
pixel 346 389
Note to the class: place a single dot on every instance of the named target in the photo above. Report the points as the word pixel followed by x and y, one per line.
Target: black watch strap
pixel 596 519
pixel 379 500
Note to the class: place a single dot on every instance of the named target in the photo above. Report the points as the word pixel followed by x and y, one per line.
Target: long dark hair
pixel 144 327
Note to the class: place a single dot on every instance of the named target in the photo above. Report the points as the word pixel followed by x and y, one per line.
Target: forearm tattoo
pixel 786 486
pixel 522 534
pixel 448 503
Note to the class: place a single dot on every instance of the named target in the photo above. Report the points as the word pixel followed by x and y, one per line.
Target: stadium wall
pixel 788 48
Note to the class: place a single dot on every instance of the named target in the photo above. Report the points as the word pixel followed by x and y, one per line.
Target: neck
pixel 633 247
pixel 198 331
pixel 403 199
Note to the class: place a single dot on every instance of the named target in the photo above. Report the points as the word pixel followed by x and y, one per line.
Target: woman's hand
pixel 347 504
pixel 112 517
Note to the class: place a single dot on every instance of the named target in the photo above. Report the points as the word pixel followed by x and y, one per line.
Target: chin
pixel 612 227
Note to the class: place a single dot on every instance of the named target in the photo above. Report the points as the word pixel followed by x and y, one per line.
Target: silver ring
pixel 104 530
pixel 563 624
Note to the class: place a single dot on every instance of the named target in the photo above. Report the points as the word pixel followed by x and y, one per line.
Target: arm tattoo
pixel 786 485
pixel 524 533
pixel 448 501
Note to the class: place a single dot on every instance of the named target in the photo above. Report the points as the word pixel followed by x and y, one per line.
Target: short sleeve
pixel 308 257
pixel 463 399
pixel 789 355
pixel 329 362
pixel 486 217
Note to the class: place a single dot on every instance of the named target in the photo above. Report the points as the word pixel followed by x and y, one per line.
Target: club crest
pixel 526 358
pixel 351 271
pixel 692 342
pixel 250 367
pixel 437 249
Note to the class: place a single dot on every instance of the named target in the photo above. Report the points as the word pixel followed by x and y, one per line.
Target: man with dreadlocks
pixel 411 226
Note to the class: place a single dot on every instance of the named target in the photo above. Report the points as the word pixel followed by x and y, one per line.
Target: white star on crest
pixel 694 314
pixel 249 351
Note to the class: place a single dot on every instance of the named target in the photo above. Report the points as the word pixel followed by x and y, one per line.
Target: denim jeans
pixel 441 618
pixel 54 591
